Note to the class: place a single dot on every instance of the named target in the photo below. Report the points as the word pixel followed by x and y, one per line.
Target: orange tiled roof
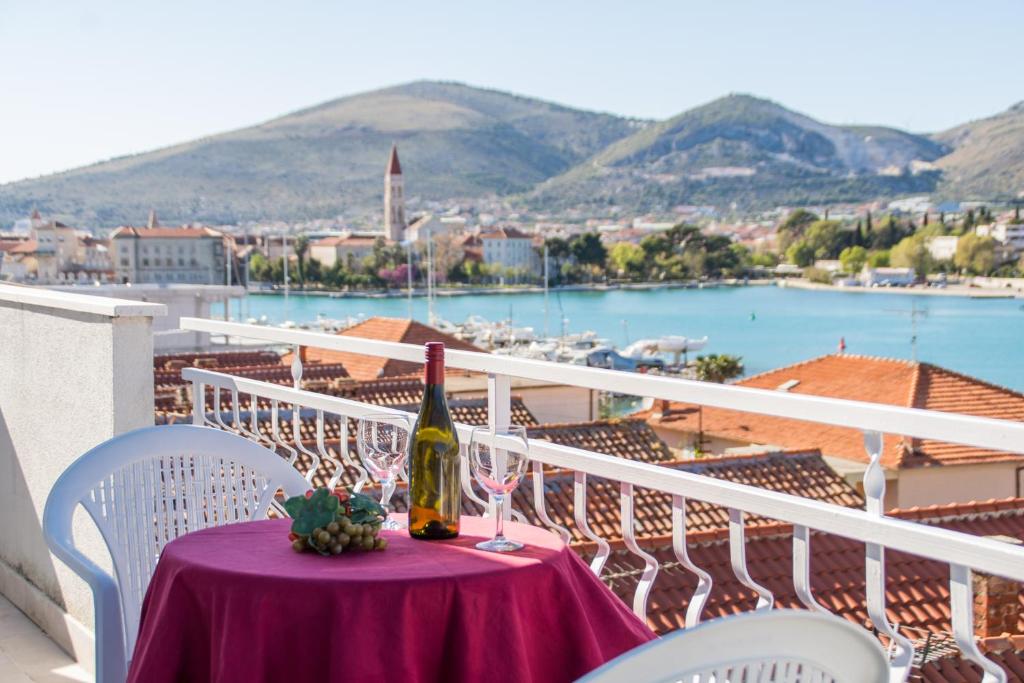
pixel 505 234
pixel 384 329
pixel 629 438
pixel 158 232
pixel 217 359
pixel 917 589
pixel 860 378
pixel 24 247
pixel 956 669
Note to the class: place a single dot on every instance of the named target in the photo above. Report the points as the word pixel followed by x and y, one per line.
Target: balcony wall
pixel 75 370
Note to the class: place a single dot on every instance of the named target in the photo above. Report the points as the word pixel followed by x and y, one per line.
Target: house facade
pixel 158 255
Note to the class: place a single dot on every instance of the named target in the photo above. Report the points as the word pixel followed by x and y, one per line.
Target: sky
pixel 85 81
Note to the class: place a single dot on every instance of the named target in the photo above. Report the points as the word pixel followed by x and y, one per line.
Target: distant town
pixel 900 243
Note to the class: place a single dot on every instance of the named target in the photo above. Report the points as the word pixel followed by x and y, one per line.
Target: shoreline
pixel 963 291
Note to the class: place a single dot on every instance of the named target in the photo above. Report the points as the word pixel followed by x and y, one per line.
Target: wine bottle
pixel 435 484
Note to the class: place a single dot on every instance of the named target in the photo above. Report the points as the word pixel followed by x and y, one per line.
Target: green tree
pixel 800 254
pixel 301 249
pixel 912 252
pixel 878 259
pixel 793 228
pixel 975 254
pixel 889 234
pixel 259 267
pixel 626 259
pixel 718 368
pixel 588 249
pixel 827 238
pixel 853 259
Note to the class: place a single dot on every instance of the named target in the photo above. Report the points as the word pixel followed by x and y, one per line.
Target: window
pixel 145 261
pixel 181 261
pixel 124 262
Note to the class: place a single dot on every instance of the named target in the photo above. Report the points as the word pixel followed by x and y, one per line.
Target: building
pixel 428 226
pixel 1009 235
pixel 919 472
pixel 510 248
pixel 394 199
pixel 943 247
pixel 185 255
pixel 347 249
pixel 887 277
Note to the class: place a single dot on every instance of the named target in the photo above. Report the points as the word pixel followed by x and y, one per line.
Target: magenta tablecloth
pixel 235 603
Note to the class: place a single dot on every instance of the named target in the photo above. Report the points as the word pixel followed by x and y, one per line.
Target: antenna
pixel 915 313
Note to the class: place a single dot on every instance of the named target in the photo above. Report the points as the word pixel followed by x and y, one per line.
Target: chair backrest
pixel 144 489
pixel 794 646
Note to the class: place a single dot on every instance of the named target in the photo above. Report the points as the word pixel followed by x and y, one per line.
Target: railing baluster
pixel 540 503
pixel 704 581
pixel 364 476
pixel 961 600
pixel 802 568
pixel 198 404
pixel 643 587
pixel 874 586
pixel 321 447
pixel 297 366
pixel 275 432
pixel 499 417
pixel 467 479
pixel 579 505
pixel 738 560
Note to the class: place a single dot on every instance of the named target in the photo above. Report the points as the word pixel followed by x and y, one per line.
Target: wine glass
pixel 383 443
pixel 499 459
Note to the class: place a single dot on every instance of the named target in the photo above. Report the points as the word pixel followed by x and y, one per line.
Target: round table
pixel 235 603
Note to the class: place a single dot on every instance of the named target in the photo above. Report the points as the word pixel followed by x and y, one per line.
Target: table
pixel 235 603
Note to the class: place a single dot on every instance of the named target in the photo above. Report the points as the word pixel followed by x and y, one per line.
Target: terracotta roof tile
pixel 164 233
pixel 955 669
pixel 629 438
pixel 385 329
pixel 917 589
pixel 861 378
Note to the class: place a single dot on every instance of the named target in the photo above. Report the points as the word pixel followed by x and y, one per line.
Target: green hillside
pixel 987 161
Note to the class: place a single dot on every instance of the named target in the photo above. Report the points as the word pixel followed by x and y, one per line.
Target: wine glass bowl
pixel 383 444
pixel 499 459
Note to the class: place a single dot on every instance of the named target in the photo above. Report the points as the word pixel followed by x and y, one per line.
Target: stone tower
pixel 394 199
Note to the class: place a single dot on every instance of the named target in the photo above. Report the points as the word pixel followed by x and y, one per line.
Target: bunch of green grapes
pixel 339 536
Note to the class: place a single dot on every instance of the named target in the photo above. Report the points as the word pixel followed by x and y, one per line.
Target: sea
pixel 768 327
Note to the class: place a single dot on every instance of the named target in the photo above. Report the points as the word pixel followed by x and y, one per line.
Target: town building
pixel 887 277
pixel 510 248
pixel 155 254
pixel 1008 235
pixel 430 225
pixel 394 199
pixel 919 472
pixel 943 247
pixel 348 249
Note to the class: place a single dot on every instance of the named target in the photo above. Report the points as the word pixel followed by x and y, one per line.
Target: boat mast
pixel 545 288
pixel 284 257
pixel 408 268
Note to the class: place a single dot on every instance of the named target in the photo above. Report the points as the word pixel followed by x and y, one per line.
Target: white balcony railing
pixel 962 552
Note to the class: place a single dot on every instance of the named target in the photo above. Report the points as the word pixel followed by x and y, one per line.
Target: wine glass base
pixel 500 545
pixel 391 524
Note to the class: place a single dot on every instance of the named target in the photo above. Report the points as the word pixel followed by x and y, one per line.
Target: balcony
pixel 663 537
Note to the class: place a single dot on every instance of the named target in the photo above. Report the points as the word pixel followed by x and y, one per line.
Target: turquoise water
pixel 983 338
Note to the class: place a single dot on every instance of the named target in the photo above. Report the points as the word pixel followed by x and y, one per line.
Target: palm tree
pixel 718 368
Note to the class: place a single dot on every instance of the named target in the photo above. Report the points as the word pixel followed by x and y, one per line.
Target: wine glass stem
pixel 499 516
pixel 387 489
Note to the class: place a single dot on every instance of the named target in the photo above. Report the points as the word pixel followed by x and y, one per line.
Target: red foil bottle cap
pixel 434 368
pixel 434 350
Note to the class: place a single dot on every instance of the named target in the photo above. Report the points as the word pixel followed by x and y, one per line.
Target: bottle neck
pixel 433 372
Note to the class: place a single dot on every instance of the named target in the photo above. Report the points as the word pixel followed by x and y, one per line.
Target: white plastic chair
pixel 144 489
pixel 794 646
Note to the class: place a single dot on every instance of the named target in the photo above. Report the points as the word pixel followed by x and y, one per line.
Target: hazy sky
pixel 85 81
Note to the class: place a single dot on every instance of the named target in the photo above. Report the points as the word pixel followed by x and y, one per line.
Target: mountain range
pixel 461 142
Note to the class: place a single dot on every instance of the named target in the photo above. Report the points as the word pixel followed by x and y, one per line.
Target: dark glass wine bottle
pixel 435 485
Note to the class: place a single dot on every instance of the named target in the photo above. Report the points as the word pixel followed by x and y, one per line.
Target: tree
pixel 626 259
pixel 558 252
pixel 588 249
pixel 975 254
pixel 301 248
pixel 878 259
pixel 793 228
pixel 853 259
pixel 889 234
pixel 827 239
pixel 912 252
pixel 800 254
pixel 718 368
pixel 259 267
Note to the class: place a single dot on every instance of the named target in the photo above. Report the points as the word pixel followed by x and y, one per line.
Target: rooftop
pixel 860 378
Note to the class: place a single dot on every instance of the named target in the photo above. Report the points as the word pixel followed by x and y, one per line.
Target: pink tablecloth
pixel 235 603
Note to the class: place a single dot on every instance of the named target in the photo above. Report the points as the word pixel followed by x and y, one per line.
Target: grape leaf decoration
pixel 310 513
pixel 364 509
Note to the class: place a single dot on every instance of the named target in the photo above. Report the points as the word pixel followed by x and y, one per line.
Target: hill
pixel 329 160
pixel 746 150
pixel 987 161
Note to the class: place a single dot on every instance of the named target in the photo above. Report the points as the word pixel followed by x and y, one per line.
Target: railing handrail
pixel 981 432
pixel 936 543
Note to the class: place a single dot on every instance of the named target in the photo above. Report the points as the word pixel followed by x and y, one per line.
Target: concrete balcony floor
pixel 27 655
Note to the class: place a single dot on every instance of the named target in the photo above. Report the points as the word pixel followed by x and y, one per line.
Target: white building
pixel 510 248
pixel 1008 234
pixel 185 255
pixel 885 277
pixel 942 247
